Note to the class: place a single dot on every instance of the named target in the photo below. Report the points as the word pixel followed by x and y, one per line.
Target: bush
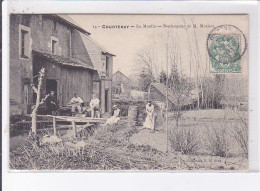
pixel 185 140
pixel 240 134
pixel 218 141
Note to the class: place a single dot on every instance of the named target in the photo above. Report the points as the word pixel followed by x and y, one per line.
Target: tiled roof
pixel 120 73
pixel 162 88
pixel 70 21
pixel 185 99
pixel 63 60
pixel 102 48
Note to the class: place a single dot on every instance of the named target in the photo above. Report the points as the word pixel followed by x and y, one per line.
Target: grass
pixel 108 148
pixel 111 148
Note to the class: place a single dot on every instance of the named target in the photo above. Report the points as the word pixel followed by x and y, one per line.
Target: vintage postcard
pixel 128 92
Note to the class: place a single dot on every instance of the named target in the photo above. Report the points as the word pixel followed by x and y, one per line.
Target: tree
pixel 181 89
pixel 147 68
pixel 38 102
pixel 213 91
pixel 163 77
pixel 219 94
pixel 145 80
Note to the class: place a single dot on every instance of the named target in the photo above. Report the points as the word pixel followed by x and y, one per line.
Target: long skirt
pixel 149 122
pixel 112 120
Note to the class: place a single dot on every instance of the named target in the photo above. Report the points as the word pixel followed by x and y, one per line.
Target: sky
pixel 126 43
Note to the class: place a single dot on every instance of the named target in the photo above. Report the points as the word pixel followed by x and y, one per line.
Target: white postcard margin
pixel 136 181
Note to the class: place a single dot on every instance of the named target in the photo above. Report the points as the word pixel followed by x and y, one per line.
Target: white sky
pixel 126 43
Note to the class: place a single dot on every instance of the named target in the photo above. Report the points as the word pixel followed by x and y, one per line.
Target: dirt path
pixel 156 140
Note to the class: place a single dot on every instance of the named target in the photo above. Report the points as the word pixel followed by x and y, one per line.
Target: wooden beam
pixel 70 126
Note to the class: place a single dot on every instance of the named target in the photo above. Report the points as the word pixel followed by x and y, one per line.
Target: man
pixel 75 103
pixel 94 106
pixel 51 103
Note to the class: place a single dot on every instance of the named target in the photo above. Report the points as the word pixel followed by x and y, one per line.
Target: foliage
pixel 181 88
pixel 146 68
pixel 218 92
pixel 240 134
pixel 218 141
pixel 163 77
pixel 185 140
pixel 212 91
pixel 145 80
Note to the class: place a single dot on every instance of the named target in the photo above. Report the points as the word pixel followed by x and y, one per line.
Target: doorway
pixel 51 85
pixel 106 100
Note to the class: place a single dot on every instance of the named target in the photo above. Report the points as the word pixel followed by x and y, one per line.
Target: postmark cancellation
pixel 226 45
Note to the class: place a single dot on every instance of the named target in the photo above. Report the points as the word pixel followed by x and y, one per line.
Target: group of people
pixel 76 105
pixel 149 120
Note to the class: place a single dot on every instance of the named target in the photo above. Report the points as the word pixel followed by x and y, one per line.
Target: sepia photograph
pixel 118 92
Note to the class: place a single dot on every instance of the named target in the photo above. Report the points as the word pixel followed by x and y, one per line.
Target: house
pixel 126 88
pixel 73 61
pixel 158 94
pixel 121 83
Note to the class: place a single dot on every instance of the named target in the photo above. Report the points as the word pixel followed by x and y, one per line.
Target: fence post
pixel 54 126
pixel 74 128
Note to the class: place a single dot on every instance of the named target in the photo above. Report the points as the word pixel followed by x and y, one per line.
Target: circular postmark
pixel 226 45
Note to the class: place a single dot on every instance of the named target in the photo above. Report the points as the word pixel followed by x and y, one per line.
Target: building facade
pixel 58 44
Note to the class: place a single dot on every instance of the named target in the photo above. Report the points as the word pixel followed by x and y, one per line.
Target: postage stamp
pixel 226 45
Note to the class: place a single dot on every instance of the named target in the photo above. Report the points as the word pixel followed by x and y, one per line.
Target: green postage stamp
pixel 226 45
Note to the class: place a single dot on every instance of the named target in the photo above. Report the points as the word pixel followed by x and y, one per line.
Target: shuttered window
pixel 24 42
pixel 54 45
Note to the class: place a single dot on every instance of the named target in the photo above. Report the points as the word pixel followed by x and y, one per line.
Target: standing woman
pixel 149 120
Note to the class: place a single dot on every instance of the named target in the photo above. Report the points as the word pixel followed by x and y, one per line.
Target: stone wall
pixel 41 28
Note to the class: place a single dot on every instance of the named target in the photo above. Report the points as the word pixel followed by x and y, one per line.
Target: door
pixel 51 85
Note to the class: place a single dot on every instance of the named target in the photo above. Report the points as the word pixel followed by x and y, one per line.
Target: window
pixel 24 44
pixel 54 45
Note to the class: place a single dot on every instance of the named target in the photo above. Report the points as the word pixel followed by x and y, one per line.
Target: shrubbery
pixel 218 141
pixel 185 140
pixel 240 134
